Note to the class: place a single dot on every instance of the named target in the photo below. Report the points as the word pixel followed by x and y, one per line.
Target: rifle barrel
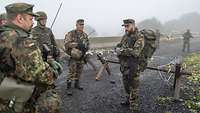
pixel 56 15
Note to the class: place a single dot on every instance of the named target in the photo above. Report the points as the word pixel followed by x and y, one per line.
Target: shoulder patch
pixel 8 35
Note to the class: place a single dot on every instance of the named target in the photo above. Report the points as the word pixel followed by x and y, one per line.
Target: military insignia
pixel 5 36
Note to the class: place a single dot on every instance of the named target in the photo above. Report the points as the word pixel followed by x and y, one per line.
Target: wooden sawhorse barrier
pixel 177 79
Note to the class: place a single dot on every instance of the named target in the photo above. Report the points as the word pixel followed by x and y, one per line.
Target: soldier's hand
pixel 126 52
pixel 118 51
pixel 55 65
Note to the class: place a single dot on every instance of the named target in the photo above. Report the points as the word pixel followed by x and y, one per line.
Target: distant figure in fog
pixel 186 40
pixel 158 34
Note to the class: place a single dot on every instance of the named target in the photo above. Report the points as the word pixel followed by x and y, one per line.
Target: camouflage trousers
pixel 131 86
pixel 75 69
pixel 48 102
pixel 186 45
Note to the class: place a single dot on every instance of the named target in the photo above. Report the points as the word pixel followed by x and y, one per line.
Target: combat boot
pixel 77 85
pixel 125 102
pixel 69 89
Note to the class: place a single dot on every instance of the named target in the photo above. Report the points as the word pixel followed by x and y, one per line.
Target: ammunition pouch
pixel 22 91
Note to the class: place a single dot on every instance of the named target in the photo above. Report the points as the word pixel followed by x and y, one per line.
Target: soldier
pixel 3 18
pixel 24 69
pixel 186 40
pixel 44 36
pixel 128 51
pixel 76 45
pixel 158 38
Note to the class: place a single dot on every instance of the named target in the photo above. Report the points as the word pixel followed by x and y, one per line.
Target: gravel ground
pixel 105 97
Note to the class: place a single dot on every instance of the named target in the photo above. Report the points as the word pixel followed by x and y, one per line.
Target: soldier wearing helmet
pixel 129 51
pixel 41 16
pixel 3 18
pixel 23 71
pixel 76 45
pixel 44 35
pixel 186 40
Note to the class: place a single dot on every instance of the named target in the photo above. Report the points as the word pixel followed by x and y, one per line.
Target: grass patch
pixel 193 82
pixel 163 100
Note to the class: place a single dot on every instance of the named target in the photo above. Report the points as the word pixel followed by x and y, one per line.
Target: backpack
pixel 149 47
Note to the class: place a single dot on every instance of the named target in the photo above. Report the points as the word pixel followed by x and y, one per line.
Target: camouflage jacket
pixel 187 36
pixel 131 45
pixel 81 38
pixel 20 52
pixel 45 36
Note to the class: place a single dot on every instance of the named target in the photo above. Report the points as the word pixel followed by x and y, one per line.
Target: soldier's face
pixel 43 22
pixel 26 21
pixel 80 27
pixel 129 27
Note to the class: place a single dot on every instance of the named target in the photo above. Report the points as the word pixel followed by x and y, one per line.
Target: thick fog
pixel 105 16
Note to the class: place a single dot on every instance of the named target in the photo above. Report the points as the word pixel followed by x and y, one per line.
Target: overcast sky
pixel 106 15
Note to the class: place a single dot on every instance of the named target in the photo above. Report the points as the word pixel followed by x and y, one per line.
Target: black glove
pixel 82 48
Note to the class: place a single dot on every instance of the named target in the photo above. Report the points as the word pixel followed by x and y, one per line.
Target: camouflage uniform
pixel 21 62
pixel 3 18
pixel 76 64
pixel 186 40
pixel 158 38
pixel 44 35
pixel 48 102
pixel 130 47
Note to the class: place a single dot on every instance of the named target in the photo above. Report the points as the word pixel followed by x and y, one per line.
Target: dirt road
pixel 104 97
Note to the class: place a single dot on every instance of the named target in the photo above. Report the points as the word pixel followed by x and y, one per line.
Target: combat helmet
pixel 41 15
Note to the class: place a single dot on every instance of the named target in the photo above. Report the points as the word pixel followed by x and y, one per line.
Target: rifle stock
pixel 104 66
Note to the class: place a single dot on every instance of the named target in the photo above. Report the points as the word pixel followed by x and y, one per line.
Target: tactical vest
pixel 28 59
pixel 78 38
pixel 43 36
pixel 128 41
